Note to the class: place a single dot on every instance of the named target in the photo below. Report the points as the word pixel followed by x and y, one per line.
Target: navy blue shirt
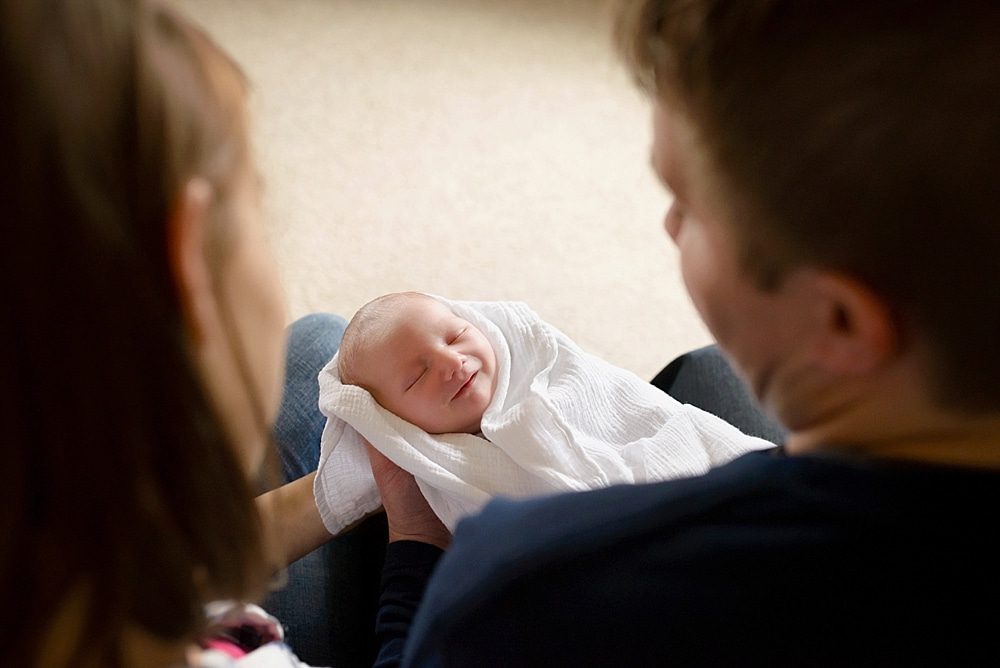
pixel 769 560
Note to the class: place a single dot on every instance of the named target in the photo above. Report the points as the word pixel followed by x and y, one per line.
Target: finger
pixel 381 465
pixel 373 452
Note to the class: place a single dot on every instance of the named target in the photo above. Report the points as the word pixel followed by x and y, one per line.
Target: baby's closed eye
pixel 415 380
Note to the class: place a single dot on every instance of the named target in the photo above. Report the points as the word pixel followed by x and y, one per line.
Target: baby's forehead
pixel 422 314
pixel 409 323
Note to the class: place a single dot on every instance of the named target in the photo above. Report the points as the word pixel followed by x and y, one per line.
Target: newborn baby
pixel 420 361
pixel 480 399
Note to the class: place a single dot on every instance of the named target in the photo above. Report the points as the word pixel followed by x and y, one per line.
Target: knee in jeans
pixel 315 335
pixel 318 324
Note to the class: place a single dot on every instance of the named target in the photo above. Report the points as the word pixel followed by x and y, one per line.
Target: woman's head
pixel 143 331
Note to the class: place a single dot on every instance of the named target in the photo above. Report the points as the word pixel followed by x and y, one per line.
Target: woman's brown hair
pixel 859 137
pixel 121 491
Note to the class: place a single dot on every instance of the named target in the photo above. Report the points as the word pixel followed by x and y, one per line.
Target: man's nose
pixel 672 222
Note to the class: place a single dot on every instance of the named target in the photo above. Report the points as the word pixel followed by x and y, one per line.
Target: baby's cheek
pixel 427 417
pixel 408 412
pixel 399 408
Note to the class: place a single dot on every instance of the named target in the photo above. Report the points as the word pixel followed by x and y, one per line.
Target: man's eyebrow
pixel 660 176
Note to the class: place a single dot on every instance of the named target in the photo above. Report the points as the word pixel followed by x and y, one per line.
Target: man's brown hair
pixel 858 137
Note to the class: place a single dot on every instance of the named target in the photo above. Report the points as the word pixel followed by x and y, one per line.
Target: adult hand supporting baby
pixel 409 515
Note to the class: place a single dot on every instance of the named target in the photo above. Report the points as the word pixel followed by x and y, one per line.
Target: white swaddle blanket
pixel 560 420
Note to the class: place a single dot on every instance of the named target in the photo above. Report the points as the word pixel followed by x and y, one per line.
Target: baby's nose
pixel 449 363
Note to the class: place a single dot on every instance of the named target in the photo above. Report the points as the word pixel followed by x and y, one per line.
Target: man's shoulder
pixel 810 499
pixel 507 529
pixel 536 549
pixel 762 540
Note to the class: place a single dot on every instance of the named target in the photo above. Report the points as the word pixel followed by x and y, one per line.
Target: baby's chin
pixel 457 428
pixel 472 426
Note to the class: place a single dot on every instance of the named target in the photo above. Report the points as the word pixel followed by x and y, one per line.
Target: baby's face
pixel 433 369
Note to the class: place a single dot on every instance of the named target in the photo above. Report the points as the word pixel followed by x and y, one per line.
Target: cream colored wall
pixel 478 149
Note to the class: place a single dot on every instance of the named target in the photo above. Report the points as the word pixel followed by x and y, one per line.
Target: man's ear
pixel 857 330
pixel 186 234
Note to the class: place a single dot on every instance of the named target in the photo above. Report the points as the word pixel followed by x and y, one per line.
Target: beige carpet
pixel 478 149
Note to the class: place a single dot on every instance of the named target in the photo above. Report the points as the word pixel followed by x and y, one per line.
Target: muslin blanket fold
pixel 560 420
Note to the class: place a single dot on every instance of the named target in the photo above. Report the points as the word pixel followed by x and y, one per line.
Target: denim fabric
pixel 312 341
pixel 330 596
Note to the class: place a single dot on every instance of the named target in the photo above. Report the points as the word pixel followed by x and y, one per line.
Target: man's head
pixel 841 156
pixel 420 361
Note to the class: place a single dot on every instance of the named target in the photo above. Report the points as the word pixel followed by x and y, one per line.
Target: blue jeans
pixel 330 597
pixel 329 602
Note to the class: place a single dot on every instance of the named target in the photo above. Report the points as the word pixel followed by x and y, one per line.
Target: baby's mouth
pixel 465 386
